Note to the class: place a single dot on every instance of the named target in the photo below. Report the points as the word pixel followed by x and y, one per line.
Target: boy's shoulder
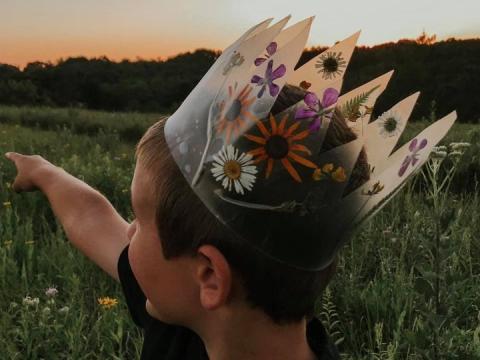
pixel 167 341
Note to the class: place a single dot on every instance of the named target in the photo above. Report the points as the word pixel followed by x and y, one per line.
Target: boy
pixel 201 291
pixel 228 253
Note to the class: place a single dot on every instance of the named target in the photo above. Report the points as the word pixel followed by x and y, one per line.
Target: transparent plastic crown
pixel 267 176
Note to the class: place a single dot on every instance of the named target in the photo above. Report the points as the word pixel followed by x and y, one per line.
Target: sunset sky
pixel 47 30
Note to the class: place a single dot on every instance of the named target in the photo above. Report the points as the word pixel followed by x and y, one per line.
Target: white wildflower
pixel 64 310
pixel 230 168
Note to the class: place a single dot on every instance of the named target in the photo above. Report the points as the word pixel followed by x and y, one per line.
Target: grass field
pixel 399 286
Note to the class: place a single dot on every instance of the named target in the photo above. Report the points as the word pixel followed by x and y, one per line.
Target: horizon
pixel 158 59
pixel 153 30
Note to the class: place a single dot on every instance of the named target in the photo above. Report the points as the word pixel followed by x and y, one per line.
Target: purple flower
pixel 270 76
pixel 317 109
pixel 413 157
pixel 271 49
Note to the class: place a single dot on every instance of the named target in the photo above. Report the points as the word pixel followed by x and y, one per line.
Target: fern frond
pixel 351 109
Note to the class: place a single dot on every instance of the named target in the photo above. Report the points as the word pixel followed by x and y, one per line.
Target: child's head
pixel 187 261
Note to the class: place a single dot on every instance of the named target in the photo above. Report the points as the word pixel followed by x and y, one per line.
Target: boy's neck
pixel 254 336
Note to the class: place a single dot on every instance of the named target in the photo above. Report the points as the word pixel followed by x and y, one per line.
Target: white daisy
pixel 389 124
pixel 231 169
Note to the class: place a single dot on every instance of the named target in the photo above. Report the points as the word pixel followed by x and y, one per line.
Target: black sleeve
pixel 133 293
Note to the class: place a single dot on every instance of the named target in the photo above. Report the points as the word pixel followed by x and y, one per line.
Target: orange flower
pixel 279 144
pixel 339 174
pixel 233 119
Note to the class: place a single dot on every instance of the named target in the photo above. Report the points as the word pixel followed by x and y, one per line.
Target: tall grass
pixel 382 303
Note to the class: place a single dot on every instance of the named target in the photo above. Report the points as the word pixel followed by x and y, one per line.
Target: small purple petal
pixel 259 61
pixel 279 72
pixel 272 48
pixel 304 113
pixel 423 143
pixel 311 100
pixel 268 72
pixel 413 145
pixel 274 89
pixel 404 166
pixel 256 79
pixel 330 97
pixel 315 125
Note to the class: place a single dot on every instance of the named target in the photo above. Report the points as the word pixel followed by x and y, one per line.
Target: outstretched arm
pixel 90 221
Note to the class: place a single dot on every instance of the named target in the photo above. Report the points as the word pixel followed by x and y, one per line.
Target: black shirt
pixel 172 342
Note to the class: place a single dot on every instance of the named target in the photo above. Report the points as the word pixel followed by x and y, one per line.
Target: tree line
pixel 447 73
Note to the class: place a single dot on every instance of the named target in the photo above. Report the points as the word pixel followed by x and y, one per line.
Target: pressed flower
pixel 376 188
pixel 232 169
pixel 235 117
pixel 331 64
pixel 315 109
pixel 279 143
pixel 235 60
pixel 107 302
pixel 327 168
pixel 339 174
pixel 414 148
pixel 389 124
pixel 317 175
pixel 268 81
pixel 271 49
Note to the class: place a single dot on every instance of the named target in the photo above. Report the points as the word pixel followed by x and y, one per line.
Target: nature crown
pixel 266 177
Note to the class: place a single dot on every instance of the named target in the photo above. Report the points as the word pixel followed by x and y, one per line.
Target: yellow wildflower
pixel 107 302
pixel 7 204
pixel 327 168
pixel 339 174
pixel 317 175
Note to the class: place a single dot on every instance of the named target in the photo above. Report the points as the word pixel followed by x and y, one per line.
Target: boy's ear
pixel 214 277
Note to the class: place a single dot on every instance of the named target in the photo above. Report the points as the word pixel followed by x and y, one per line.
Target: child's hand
pixel 29 168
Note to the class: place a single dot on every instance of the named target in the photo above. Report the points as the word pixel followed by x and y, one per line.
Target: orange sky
pixel 47 30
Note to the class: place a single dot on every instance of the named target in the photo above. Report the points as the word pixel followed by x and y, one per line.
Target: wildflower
pixel 29 242
pixel 7 204
pixel 51 291
pixel 331 64
pixel 233 169
pixel 8 185
pixel 107 302
pixel 389 124
pixel 46 310
pixel 268 81
pixel 414 148
pixel 455 154
pixel 339 175
pixel 317 109
pixel 28 301
pixel 459 145
pixel 7 242
pixel 124 190
pixel 64 310
pixel 327 168
pixel 278 144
